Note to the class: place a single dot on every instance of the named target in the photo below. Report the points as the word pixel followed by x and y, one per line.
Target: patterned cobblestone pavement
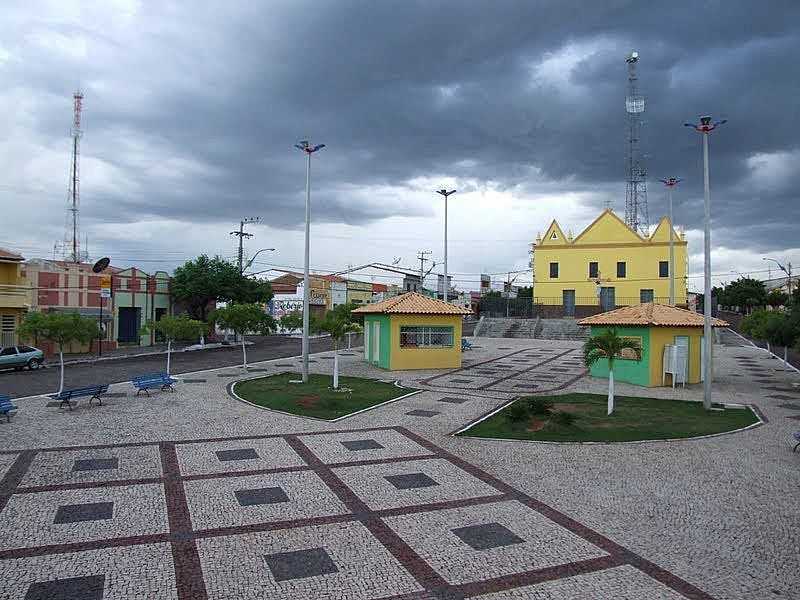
pixel 195 495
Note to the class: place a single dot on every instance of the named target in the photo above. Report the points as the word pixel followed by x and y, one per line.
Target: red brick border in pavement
pixel 188 569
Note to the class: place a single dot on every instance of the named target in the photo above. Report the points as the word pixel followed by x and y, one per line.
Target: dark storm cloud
pixel 407 89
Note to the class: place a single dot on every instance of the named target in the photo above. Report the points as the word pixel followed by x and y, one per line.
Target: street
pixel 44 381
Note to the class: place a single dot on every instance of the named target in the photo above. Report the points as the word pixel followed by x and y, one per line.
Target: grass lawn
pixel 633 419
pixel 316 398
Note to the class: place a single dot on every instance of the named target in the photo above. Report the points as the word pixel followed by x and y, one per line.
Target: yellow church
pixel 605 266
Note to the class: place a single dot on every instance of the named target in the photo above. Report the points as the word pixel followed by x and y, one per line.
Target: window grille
pixel 426 337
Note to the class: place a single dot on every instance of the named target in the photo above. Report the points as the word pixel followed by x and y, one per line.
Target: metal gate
pixel 607 298
pixel 129 323
pixel 568 298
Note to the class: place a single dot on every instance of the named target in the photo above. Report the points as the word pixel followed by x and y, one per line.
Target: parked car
pixel 21 356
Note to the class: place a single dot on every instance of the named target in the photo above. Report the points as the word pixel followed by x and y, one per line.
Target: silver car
pixel 21 356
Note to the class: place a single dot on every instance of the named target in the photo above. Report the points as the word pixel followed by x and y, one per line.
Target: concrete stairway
pixel 561 329
pixel 506 328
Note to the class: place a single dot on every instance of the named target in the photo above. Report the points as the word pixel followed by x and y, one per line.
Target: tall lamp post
pixel 306 147
pixel 671 182
pixel 445 193
pixel 705 127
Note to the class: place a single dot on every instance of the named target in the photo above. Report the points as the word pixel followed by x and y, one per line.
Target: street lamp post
pixel 445 193
pixel 788 270
pixel 306 147
pixel 250 262
pixel 671 182
pixel 705 127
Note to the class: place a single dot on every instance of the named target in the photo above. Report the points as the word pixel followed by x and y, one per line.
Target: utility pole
pixel 671 182
pixel 787 269
pixel 705 127
pixel 422 256
pixel 241 235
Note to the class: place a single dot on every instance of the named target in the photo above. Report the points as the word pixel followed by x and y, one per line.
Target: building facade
pixel 358 292
pixel 15 296
pixel 136 297
pixel 607 265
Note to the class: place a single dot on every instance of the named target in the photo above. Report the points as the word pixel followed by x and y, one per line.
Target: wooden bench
pixel 6 406
pixel 93 392
pixel 796 435
pixel 465 344
pixel 152 381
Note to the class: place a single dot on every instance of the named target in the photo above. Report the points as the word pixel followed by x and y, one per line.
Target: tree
pixel 182 327
pixel 337 323
pixel 243 319
pixel 777 297
pixel 746 293
pixel 609 345
pixel 291 321
pixel 62 329
pixel 203 282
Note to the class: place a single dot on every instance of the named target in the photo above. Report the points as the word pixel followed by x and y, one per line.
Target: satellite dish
pixel 101 265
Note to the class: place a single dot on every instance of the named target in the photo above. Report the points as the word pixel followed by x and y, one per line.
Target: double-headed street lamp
pixel 306 147
pixel 445 193
pixel 705 127
pixel 786 270
pixel 671 182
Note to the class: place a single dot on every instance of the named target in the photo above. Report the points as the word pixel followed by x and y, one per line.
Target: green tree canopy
pixel 181 327
pixel 60 328
pixel 202 282
pixel 291 321
pixel 243 319
pixel 745 292
pixel 777 297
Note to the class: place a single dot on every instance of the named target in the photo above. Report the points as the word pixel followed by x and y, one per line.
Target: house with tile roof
pixel 671 339
pixel 412 331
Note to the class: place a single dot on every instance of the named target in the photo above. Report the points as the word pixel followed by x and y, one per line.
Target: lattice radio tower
pixel 72 245
pixel 636 215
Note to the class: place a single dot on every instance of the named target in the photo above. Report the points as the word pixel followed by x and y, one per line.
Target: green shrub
pixel 519 411
pixel 753 324
pixel 541 406
pixel 563 418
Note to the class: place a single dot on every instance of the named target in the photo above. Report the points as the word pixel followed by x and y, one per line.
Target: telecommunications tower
pixel 72 248
pixel 636 215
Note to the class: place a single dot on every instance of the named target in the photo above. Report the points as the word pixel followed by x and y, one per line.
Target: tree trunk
pixel 610 390
pixel 169 350
pixel 244 353
pixel 61 360
pixel 336 365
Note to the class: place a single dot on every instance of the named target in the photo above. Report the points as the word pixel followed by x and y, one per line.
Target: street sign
pixel 105 292
pixel 105 282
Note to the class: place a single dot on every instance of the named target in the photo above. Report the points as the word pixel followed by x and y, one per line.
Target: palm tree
pixel 609 345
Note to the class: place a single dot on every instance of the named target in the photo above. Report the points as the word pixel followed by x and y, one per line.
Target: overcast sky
pixel 191 113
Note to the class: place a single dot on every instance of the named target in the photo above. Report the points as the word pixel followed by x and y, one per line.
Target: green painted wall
pixel 630 371
pixel 385 342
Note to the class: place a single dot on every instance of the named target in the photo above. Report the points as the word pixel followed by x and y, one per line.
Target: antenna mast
pixel 72 248
pixel 636 215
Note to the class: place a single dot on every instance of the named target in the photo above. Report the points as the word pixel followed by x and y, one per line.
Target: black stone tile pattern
pixel 267 495
pixel 76 513
pixel 354 445
pixel 408 481
pixel 486 536
pixel 783 397
pixel 422 413
pixel 238 454
pixel 453 400
pixel 790 406
pixel 461 380
pixel 73 588
pixel 194 380
pixel 227 374
pixel 95 464
pixel 300 564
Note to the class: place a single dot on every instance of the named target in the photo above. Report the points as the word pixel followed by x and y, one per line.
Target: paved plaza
pixel 195 494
